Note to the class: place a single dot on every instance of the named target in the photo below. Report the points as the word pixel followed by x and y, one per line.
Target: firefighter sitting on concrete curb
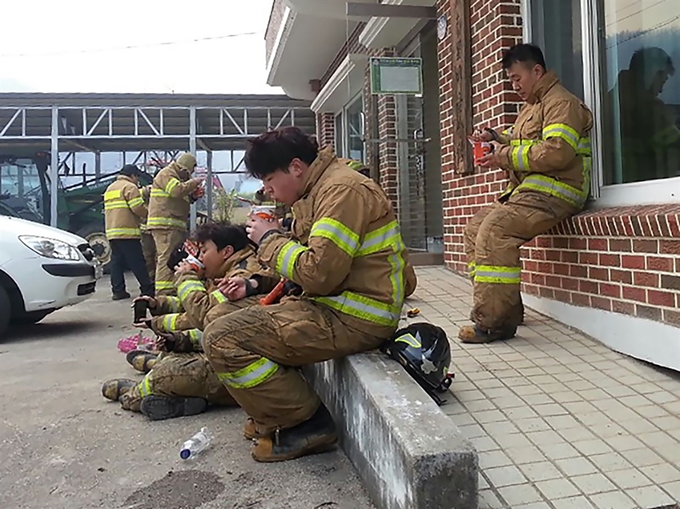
pixel 547 156
pixel 182 382
pixel 287 220
pixel 346 252
pixel 173 190
pixel 124 212
pixel 231 279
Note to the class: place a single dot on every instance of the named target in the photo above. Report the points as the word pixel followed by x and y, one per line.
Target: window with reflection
pixel 640 41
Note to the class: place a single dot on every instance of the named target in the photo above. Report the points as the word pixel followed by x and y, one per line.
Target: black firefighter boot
pixel 159 408
pixel 313 436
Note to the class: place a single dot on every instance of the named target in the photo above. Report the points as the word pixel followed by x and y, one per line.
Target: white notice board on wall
pixel 395 75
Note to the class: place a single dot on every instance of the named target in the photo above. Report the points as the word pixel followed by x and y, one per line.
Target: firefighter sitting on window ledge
pixel 547 156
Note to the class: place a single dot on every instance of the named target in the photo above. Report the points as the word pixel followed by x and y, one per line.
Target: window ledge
pixel 638 221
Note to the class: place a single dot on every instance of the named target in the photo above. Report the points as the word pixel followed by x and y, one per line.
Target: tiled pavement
pixel 559 420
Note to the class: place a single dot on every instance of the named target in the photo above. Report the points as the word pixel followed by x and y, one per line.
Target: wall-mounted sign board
pixel 395 75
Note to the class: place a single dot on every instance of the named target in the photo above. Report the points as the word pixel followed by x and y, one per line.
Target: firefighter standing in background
pixel 169 206
pixel 547 155
pixel 346 252
pixel 124 212
pixel 148 247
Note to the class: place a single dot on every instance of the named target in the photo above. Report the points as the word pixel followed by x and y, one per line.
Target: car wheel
pixel 30 318
pixel 100 245
pixel 5 311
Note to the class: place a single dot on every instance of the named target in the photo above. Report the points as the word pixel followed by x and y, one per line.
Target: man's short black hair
pixel 274 150
pixel 222 235
pixel 528 54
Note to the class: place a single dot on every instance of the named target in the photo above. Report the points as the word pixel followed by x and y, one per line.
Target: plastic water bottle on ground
pixel 192 447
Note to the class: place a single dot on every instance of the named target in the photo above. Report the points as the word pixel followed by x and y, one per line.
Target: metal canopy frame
pixel 141 123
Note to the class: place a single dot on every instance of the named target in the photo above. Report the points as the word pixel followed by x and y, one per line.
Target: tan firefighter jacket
pixel 196 296
pixel 548 149
pixel 124 209
pixel 345 249
pixel 169 204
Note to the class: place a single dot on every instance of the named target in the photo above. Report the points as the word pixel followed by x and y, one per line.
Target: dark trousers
pixel 128 254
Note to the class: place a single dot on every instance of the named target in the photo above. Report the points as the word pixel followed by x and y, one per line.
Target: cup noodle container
pixel 266 212
pixel 480 149
pixel 195 263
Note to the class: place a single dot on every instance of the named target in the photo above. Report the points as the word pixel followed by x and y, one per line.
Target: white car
pixel 42 269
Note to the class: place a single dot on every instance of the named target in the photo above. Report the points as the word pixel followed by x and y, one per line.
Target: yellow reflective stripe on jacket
pixel 164 285
pixel 508 131
pixel 173 303
pixel 112 195
pixel 196 337
pixel 219 296
pixel 471 267
pixel 172 184
pixel 548 185
pixel 520 158
pixel 509 189
pixel 159 193
pixel 380 239
pixel 252 375
pixel 562 131
pixel 336 232
pixel 115 204
pixel 112 233
pixel 288 255
pixel 186 288
pixel 170 322
pixel 145 386
pixel 166 221
pixel 584 148
pixel 136 202
pixel 517 143
pixel 498 274
pixel 363 308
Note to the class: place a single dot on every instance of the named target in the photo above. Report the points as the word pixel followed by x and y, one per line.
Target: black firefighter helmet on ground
pixel 424 351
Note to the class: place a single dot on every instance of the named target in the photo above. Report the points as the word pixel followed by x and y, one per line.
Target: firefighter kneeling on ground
pixel 547 156
pixel 346 253
pixel 182 382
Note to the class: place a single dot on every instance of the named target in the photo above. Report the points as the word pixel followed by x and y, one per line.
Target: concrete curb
pixel 408 453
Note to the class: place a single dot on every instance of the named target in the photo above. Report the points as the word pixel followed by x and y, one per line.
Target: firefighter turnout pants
pixel 149 251
pixel 166 241
pixel 493 237
pixel 184 375
pixel 256 352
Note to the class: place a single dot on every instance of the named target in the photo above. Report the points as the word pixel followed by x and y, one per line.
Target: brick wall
pixel 494 26
pixel 325 129
pixel 624 260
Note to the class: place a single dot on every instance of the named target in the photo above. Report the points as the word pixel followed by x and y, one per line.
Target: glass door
pixel 419 159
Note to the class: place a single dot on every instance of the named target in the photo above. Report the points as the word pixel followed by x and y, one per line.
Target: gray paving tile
pixel 591 484
pixel 664 475
pixel 505 476
pixel 557 488
pixel 518 495
pixel 649 496
pixel 579 502
pixel 541 471
pixel 576 466
pixel 629 478
pixel 613 500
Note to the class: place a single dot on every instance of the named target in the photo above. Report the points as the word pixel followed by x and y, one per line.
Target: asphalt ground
pixel 65 446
